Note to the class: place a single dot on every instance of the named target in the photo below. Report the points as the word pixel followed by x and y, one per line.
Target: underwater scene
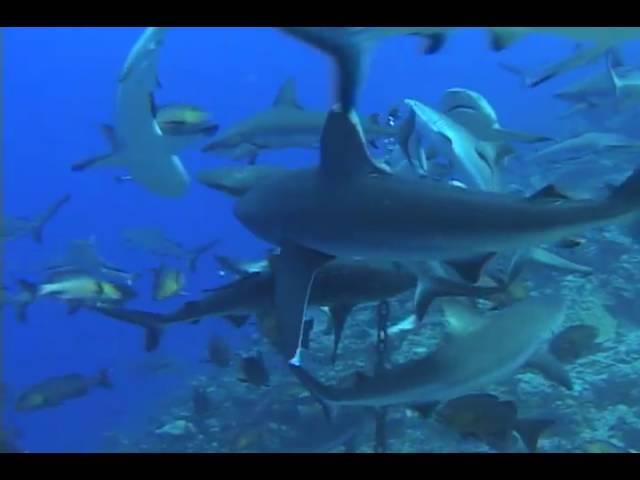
pixel 320 240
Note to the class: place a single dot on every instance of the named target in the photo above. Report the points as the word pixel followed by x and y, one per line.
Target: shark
pixel 504 37
pixel 286 124
pixel 154 241
pixel 349 208
pixel 466 361
pixel 340 286
pixel 138 143
pixel 586 144
pixel 580 57
pixel 15 227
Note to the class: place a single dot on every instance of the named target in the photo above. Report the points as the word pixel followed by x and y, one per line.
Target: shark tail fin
pixel 197 252
pixel 348 47
pixel 317 390
pixel 530 430
pixel 37 232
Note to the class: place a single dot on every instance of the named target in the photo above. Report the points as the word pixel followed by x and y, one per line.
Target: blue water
pixel 59 86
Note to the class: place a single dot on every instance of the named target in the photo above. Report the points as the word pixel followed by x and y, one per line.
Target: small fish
pixel 167 282
pixel 78 289
pixel 493 421
pixel 574 342
pixel 218 352
pixel 182 119
pixel 56 390
pixel 254 371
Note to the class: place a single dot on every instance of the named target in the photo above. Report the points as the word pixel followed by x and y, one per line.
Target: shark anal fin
pixel 317 390
pixel 339 314
pixel 294 269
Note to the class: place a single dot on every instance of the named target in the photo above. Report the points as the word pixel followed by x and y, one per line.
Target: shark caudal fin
pixel 318 391
pixel 348 47
pixel 54 208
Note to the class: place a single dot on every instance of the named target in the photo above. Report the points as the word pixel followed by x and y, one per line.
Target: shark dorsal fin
pixel 287 96
pixel 343 149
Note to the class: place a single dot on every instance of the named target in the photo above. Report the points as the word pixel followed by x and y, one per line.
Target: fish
pixel 504 37
pixel 184 120
pixel 473 111
pixel 236 180
pixel 154 241
pixel 485 417
pixel 574 342
pixel 346 207
pixel 581 56
pixel 15 227
pixel 78 290
pixel 54 391
pixel 241 268
pixel 454 142
pixel 254 371
pixel 21 300
pixel 167 282
pixel 137 142
pixel 286 124
pixel 82 256
pixel 467 360
pixel 218 352
pixel 340 286
pixel 586 144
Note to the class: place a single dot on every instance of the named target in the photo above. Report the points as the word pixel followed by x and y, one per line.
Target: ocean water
pixel 60 86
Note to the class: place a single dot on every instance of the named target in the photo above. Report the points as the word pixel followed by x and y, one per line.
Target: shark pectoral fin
pixel 293 269
pixel 73 307
pixel 109 133
pixel 318 391
pixel 287 96
pixel 339 314
pixel 548 259
pixel 502 38
pixel 343 150
pixel 470 269
pixel 550 368
pixel 530 429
